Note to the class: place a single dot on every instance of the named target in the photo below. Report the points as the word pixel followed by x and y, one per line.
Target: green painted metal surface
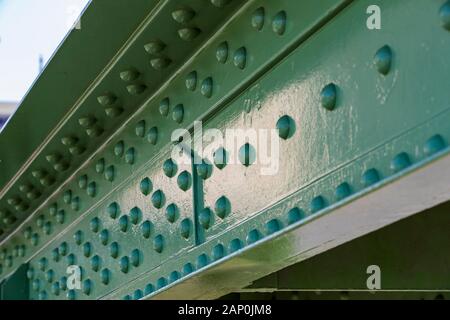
pixel 96 185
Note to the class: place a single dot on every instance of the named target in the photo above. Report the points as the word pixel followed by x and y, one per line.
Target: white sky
pixel 28 29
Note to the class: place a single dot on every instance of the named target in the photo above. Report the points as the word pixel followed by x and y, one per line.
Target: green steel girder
pixel 409 260
pixel 362 135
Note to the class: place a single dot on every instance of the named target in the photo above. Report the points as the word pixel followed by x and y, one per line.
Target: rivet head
pixel 135 215
pixel 247 155
pixel 56 255
pixel 317 204
pixel 205 218
pixel 178 113
pixel 158 199
pixel 146 186
pixel 188 268
pixel 110 173
pixel 119 149
pixel 220 3
pixel 129 75
pixel 295 215
pixel 152 136
pixel 343 191
pixel 9 262
pixel 174 276
pixel 140 129
pixel 100 166
pixel 370 177
pixel 434 145
pixel 55 289
pixel 42 264
pixel 105 276
pixel 92 189
pixel 286 127
pixel 146 229
pixel 138 294
pixel 160 63
pixel 36 285
pixel 164 106
pixel 87 249
pixel 258 19
pixel 155 47
pixel 172 213
pixel 124 264
pixel 49 275
pixel 82 182
pixel 77 150
pixel 218 252
pixel 191 81
pixel 107 100
pixel 34 239
pixel 400 162
pixel 113 113
pixel 123 223
pixel 222 52
pixel 25 188
pixel 202 261
pixel 170 168
pixel 34 194
pixel 61 216
pixel 40 221
pixel 204 170
pixel 136 257
pixel 71 295
pixel 207 87
pixel 185 228
pixel 130 156
pixel 47 228
pixel 328 96
pixel 95 263
pixel 104 237
pixel 149 289
pixel 63 248
pixel 158 243
pixel 235 245
pixel 240 58
pixel 273 226
pixel 188 34
pixel 220 158
pixel 113 210
pixel 279 23
pixel 114 250
pixel 97 130
pixel 63 283
pixel 222 207
pixel 253 236
pixel 184 181
pixel 136 89
pixel 67 197
pixel 87 287
pixel 444 13
pixel 383 60
pixel 183 16
pixel 43 295
pixel 78 237
pixel 69 141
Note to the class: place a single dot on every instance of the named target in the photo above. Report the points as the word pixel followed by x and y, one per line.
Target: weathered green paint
pixel 355 111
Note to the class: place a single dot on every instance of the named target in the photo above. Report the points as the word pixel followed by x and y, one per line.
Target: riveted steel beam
pixel 359 149
pixel 127 73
